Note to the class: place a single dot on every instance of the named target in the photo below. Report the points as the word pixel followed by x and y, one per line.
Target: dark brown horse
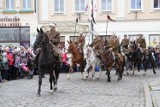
pixel 46 60
pixel 109 63
pixel 107 58
pixel 77 58
pixel 137 57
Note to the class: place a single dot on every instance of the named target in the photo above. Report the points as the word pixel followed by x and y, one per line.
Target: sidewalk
pixel 152 93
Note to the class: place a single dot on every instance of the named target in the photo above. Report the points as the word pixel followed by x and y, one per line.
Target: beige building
pixel 22 17
pixel 131 17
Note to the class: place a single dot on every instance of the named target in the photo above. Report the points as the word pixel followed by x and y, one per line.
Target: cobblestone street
pixel 76 92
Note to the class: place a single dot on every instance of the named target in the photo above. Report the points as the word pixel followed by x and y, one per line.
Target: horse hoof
pixel 144 74
pixel 68 78
pixel 51 91
pixel 98 78
pixel 55 88
pixel 38 94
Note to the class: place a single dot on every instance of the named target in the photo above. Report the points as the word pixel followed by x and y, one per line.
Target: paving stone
pixel 76 92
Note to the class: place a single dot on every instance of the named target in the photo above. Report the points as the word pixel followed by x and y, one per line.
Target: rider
pixel 113 45
pixel 54 40
pixel 125 43
pixel 80 42
pixel 142 42
pixel 96 44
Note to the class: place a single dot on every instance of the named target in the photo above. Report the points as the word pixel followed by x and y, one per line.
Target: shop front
pixel 12 33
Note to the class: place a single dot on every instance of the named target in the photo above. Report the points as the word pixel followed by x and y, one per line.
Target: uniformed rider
pixel 54 40
pixel 80 42
pixel 142 42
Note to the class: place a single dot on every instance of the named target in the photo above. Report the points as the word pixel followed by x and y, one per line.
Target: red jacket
pixel 10 58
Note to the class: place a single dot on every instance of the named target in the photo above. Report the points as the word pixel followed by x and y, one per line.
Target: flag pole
pixel 92 18
pixel 75 27
pixel 106 29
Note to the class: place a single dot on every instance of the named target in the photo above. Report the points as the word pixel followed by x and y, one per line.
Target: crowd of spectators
pixel 16 63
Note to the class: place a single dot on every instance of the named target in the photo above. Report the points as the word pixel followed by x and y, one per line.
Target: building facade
pixel 131 17
pixel 19 19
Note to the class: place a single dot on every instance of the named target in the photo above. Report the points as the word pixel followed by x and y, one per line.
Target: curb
pixel 147 96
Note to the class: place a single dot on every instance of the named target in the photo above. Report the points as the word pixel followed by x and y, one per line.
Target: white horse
pixel 92 61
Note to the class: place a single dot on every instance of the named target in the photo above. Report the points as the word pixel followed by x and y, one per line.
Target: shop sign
pixel 10 22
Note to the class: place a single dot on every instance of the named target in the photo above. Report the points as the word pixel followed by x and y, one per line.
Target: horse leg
pixel 50 80
pixel 93 72
pixel 39 81
pixel 86 73
pixel 108 74
pixel 100 71
pixel 153 65
pixel 126 67
pixel 145 67
pixel 81 69
pixel 119 73
pixel 70 70
pixel 133 68
pixel 54 80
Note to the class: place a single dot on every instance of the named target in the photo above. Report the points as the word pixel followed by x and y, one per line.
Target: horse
pixel 92 61
pixel 46 60
pixel 137 57
pixel 150 58
pixel 109 63
pixel 77 58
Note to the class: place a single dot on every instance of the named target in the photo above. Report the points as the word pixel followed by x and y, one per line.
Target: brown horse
pixel 77 58
pixel 107 58
pixel 109 63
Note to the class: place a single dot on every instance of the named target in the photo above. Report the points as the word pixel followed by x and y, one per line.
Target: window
pixel 15 35
pixel 9 4
pixel 62 42
pixel 106 5
pixel 154 40
pixel 80 5
pixel 59 6
pixel 73 38
pixel 26 4
pixel 135 4
pixel 25 34
pixel 156 4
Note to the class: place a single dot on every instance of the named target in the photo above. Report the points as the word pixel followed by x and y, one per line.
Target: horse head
pixel 70 47
pixel 133 45
pixel 41 39
pixel 106 54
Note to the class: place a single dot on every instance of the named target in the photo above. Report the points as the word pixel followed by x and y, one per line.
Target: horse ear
pixel 68 41
pixel 37 30
pixel 134 42
pixel 41 30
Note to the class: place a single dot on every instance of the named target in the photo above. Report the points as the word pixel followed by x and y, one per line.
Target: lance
pixel 108 18
pixel 75 27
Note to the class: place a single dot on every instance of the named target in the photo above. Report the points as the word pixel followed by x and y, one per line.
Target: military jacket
pixel 142 42
pixel 125 42
pixel 54 37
